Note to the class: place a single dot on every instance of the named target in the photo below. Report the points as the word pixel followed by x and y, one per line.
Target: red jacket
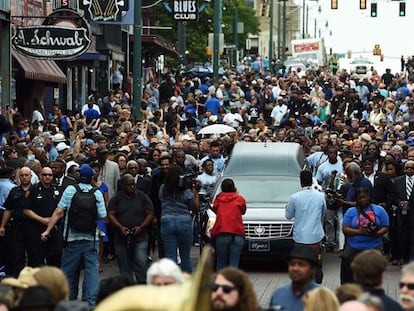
pixel 229 207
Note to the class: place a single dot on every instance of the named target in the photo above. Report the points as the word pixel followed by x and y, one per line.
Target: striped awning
pixel 40 69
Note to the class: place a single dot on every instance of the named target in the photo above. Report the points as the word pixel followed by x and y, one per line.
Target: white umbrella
pixel 216 129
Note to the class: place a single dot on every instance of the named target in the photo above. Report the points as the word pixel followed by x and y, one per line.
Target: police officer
pixel 16 201
pixel 43 199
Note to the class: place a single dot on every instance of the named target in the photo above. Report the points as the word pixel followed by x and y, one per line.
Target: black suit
pixel 144 184
pixel 383 191
pixel 404 223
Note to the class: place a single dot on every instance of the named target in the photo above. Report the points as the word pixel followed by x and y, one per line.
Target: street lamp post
pixel 137 60
pixel 271 32
pixel 216 37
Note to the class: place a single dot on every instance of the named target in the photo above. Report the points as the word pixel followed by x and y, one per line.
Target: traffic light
pixel 268 10
pixel 349 54
pixel 334 4
pixel 376 50
pixel 262 10
pixel 362 4
pixel 402 9
pixel 373 10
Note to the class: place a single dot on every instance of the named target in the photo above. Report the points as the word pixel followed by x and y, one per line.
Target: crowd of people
pixel 155 173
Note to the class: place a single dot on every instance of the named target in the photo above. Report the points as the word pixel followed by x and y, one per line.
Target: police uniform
pixel 16 201
pixel 43 201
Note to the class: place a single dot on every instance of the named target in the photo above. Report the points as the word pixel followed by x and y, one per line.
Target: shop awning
pixel 40 69
pixel 157 45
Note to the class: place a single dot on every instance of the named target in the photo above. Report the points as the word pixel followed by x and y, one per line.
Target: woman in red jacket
pixel 228 231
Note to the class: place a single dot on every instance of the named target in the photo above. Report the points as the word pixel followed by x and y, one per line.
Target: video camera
pixel 187 181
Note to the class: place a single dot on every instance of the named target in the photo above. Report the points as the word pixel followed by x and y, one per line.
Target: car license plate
pixel 259 246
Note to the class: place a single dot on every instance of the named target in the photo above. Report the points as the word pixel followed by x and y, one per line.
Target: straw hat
pixel 23 279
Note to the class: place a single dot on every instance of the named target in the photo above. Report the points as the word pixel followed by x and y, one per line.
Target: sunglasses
pixel 227 289
pixel 410 286
pixel 47 175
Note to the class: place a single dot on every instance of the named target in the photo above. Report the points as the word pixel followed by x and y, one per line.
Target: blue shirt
pixel 308 207
pixel 363 182
pixel 6 185
pixel 286 299
pixel 177 207
pixel 315 160
pixel 356 220
pixel 212 104
pixel 65 202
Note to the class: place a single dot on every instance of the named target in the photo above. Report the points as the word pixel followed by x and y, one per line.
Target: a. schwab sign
pixel 63 35
pixel 52 42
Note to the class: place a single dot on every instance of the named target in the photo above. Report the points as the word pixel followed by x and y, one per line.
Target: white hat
pixel 59 137
pixel 186 137
pixel 173 98
pixel 124 148
pixel 61 146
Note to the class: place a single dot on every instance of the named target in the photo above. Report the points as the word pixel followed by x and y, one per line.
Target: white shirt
pixel 277 113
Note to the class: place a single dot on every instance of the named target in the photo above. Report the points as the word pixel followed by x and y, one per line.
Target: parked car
pixel 266 175
pixel 360 66
pixel 203 71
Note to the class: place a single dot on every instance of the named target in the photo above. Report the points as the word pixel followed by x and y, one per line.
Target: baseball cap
pixel 304 252
pixel 46 135
pixel 61 147
pixel 86 172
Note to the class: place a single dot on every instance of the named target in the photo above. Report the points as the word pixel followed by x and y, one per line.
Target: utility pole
pixel 271 32
pixel 235 32
pixel 279 29
pixel 137 60
pixel 216 37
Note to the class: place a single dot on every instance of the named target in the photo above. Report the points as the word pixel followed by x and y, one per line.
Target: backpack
pixel 83 213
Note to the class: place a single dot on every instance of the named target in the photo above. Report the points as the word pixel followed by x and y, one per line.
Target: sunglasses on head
pixel 227 289
pixel 410 286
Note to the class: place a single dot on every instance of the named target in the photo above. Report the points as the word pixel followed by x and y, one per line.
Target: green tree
pixel 197 32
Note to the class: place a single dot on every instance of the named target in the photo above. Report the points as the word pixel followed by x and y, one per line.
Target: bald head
pixel 25 176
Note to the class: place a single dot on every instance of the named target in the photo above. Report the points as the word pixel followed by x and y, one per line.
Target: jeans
pixel 228 248
pixel 73 254
pixel 176 232
pixel 330 227
pixel 132 261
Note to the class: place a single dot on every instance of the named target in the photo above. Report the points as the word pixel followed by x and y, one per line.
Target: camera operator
pixel 177 203
pixel 131 212
pixel 205 183
pixel 364 225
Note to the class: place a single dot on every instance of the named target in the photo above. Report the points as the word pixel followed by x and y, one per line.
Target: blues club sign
pixel 184 10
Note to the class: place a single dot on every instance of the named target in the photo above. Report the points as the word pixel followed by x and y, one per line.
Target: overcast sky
pixel 354 29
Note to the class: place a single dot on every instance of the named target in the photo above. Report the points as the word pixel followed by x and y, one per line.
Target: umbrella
pixel 217 129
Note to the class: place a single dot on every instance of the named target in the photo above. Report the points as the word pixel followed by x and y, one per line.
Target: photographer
pixel 364 226
pixel 131 212
pixel 177 204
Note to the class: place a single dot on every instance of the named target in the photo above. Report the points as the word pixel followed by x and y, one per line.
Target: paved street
pixel 266 277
